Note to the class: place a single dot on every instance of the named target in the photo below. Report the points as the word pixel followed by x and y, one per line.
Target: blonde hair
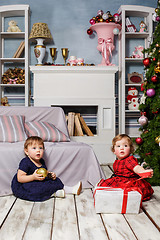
pixel 118 138
pixel 33 139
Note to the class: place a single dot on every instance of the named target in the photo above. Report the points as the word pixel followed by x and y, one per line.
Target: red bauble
pixel 154 59
pixel 139 141
pixel 147 62
pixel 142 88
pixel 149 153
pixel 154 78
pixel 89 31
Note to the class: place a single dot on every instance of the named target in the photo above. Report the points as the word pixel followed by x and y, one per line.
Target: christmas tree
pixel 149 141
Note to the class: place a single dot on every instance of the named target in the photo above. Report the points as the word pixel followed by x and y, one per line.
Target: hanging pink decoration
pixel 143 120
pixel 89 31
pixel 151 92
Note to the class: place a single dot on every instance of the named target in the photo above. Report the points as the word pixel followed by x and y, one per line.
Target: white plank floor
pixel 74 218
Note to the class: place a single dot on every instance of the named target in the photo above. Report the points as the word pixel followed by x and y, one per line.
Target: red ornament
pixel 89 31
pixel 142 88
pixel 139 141
pixel 154 59
pixel 147 62
pixel 149 153
pixel 154 78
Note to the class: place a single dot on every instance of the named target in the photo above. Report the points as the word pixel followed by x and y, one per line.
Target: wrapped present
pixel 129 26
pixel 117 200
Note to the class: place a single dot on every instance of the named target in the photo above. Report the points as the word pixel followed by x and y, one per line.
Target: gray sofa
pixel 71 161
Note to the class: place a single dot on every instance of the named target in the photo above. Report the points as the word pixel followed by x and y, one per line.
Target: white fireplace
pixel 78 86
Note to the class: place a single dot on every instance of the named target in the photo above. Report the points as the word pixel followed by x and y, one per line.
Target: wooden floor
pixel 74 218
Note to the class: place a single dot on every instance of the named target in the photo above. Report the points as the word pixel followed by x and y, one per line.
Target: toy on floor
pixel 13 27
pixel 133 99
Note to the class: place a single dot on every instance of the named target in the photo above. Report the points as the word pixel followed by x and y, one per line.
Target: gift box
pixel 117 200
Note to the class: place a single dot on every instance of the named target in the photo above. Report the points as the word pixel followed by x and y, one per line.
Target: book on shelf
pixel 71 123
pixel 85 127
pixel 19 50
pixel 78 129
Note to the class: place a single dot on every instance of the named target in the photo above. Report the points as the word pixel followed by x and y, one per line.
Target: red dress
pixel 123 173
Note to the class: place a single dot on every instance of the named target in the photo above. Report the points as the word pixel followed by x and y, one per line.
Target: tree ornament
pixel 158 18
pixel 146 131
pixel 116 17
pixel 142 88
pixel 42 171
pixel 157 140
pixel 105 16
pixel 154 59
pixel 157 45
pixel 151 92
pixel 89 31
pixel 139 141
pixel 92 21
pixel 115 31
pixel 143 120
pixel 156 10
pixel 157 68
pixel 100 13
pixel 154 78
pixel 147 62
pixel 149 153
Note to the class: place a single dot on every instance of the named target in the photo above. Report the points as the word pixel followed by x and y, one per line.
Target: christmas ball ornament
pixel 154 78
pixel 157 45
pixel 143 120
pixel 100 13
pixel 158 18
pixel 42 171
pixel 89 31
pixel 156 10
pixel 142 88
pixel 157 68
pixel 92 21
pixel 105 16
pixel 146 62
pixel 157 140
pixel 149 153
pixel 154 59
pixel 101 20
pixel 139 141
pixel 150 92
pixel 115 31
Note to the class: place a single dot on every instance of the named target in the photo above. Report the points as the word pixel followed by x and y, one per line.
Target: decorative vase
pixel 40 51
pixel 105 40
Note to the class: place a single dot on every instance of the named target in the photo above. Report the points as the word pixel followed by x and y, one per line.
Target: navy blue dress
pixel 36 191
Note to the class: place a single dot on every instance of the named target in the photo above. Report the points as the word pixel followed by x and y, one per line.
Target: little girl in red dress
pixel 127 171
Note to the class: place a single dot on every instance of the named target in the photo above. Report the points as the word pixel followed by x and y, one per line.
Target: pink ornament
pixel 158 18
pixel 92 21
pixel 143 120
pixel 150 92
pixel 100 13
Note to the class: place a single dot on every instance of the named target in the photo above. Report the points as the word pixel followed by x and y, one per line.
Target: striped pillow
pixel 12 128
pixel 47 131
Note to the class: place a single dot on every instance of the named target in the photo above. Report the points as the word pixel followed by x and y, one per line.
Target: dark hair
pixel 118 138
pixel 33 139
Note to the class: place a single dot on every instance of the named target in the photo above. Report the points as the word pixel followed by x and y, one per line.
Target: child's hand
pixel 148 173
pixel 37 176
pixel 52 175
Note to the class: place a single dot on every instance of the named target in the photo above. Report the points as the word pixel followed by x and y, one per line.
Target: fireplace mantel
pixel 81 86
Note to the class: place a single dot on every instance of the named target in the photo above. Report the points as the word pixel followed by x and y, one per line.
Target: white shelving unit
pixel 11 41
pixel 128 40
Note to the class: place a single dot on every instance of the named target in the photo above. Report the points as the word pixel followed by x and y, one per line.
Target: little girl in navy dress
pixel 27 184
pixel 126 168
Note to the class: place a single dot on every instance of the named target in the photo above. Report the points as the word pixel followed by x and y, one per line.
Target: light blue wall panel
pixel 68 21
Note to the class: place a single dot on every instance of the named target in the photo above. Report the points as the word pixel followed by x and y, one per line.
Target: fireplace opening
pixel 88 113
